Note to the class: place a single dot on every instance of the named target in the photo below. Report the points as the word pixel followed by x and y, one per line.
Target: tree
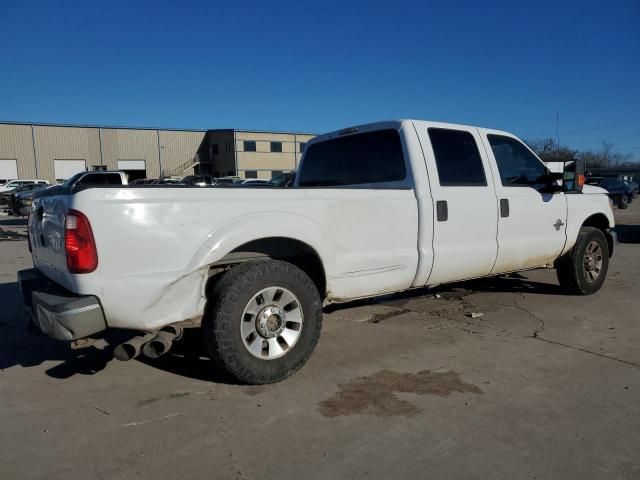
pixel 549 151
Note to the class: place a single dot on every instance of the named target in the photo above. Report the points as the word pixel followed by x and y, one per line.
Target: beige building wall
pixel 16 144
pixel 263 160
pixel 65 143
pixel 178 149
pixel 129 144
pixel 165 152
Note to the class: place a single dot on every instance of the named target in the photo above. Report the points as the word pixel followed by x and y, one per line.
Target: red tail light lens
pixel 82 256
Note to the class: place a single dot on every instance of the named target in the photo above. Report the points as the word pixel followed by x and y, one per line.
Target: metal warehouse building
pixel 56 152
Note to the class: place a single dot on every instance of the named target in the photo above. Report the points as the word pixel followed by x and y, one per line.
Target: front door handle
pixel 442 211
pixel 504 207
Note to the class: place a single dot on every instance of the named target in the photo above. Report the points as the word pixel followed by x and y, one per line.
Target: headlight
pixel 26 201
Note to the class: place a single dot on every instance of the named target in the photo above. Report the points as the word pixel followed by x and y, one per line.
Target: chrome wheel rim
pixel 271 323
pixel 592 262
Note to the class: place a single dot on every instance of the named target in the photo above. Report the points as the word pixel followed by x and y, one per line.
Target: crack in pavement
pixel 532 315
pixel 580 349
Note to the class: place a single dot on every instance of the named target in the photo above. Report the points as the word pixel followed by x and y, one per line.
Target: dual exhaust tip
pixel 152 345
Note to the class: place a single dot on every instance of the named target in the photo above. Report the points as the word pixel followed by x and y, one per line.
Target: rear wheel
pixel 584 269
pixel 263 321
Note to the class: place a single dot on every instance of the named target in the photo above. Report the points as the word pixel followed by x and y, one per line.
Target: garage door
pixel 68 168
pixel 8 170
pixel 131 165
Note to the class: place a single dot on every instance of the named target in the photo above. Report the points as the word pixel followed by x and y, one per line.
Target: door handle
pixel 504 207
pixel 442 211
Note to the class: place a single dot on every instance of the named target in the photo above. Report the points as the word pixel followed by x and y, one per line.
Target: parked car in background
pixel 20 202
pixel 167 181
pixel 227 181
pixel 144 181
pixel 619 192
pixel 7 197
pixel 255 181
pixel 7 187
pixel 633 186
pixel 198 180
pixel 284 179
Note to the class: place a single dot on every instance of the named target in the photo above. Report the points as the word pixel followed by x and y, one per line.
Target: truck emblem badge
pixel 559 223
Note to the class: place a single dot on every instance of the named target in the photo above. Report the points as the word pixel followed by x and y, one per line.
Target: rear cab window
pixel 373 159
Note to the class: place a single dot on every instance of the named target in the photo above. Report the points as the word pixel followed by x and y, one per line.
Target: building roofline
pixel 247 130
pixel 111 127
pixel 122 127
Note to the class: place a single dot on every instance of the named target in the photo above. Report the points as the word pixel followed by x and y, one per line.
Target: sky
pixel 319 66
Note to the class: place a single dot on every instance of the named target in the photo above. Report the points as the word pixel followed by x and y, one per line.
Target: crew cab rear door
pixel 464 202
pixel 531 225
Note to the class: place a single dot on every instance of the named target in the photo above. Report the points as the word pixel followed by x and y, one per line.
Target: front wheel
pixel 263 321
pixel 584 269
pixel 624 202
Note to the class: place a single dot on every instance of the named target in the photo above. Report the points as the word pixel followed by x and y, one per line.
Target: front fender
pixel 579 209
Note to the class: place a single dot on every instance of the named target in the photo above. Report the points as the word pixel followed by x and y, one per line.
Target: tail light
pixel 79 244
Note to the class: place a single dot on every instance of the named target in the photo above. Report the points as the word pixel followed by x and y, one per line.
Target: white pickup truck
pixel 375 209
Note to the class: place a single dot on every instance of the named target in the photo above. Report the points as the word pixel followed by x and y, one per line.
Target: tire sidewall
pixel 227 315
pixel 585 240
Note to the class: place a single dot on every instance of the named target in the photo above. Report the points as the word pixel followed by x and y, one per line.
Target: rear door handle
pixel 442 211
pixel 504 207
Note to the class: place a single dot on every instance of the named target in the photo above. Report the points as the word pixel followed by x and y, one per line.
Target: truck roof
pixel 396 124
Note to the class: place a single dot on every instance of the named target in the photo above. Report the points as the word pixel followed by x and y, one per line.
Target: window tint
pixel 371 157
pixel 276 146
pixel 517 165
pixel 457 158
pixel 214 149
pixel 250 174
pixel 249 146
pixel 113 179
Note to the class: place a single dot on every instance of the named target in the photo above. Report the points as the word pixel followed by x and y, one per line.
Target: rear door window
pixel 457 158
pixel 360 159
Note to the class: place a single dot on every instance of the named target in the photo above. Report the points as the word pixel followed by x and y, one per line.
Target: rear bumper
pixel 57 312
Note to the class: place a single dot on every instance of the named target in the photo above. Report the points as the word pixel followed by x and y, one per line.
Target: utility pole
pixel 557 130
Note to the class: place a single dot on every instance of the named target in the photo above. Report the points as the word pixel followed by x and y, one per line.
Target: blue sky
pixel 319 66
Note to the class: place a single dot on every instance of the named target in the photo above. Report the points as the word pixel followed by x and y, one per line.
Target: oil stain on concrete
pixel 376 394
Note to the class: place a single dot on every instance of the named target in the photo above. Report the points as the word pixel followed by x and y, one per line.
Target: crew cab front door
pixel 532 220
pixel 464 203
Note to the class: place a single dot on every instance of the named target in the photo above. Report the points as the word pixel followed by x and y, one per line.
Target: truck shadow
pixel 18 347
pixel 189 358
pixel 512 283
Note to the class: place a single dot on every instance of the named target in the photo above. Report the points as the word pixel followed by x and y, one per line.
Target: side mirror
pixel 572 175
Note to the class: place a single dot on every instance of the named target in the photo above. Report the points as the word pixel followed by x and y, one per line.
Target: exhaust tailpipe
pixel 162 342
pixel 132 348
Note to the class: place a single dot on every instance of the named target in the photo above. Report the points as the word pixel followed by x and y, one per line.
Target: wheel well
pixel 290 250
pixel 601 222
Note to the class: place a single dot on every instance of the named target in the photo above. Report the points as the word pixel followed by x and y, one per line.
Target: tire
pixel 584 269
pixel 624 202
pixel 235 321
